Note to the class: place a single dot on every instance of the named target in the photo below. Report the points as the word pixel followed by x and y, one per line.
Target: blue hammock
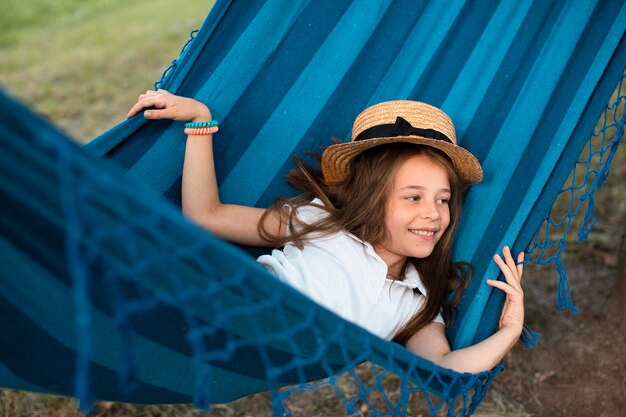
pixel 109 293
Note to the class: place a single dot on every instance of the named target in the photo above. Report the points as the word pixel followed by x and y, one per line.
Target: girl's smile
pixel 417 212
pixel 395 192
pixel 424 234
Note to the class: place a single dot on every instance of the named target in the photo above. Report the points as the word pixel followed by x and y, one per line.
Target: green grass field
pixel 83 63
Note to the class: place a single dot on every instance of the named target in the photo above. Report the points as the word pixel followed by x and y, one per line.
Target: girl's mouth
pixel 423 233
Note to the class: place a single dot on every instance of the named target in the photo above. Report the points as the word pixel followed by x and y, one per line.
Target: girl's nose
pixel 430 211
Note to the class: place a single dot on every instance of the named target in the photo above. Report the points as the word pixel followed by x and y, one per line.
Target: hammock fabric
pixel 109 293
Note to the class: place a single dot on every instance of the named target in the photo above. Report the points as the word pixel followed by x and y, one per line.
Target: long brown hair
pixel 358 206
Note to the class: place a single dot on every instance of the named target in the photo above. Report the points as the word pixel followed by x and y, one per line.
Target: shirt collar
pixel 411 277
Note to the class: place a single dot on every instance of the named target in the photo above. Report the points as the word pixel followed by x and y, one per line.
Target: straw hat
pixel 400 121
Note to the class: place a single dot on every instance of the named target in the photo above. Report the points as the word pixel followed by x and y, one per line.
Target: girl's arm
pixel 200 197
pixel 430 342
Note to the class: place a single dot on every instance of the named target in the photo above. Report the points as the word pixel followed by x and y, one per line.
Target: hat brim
pixel 337 159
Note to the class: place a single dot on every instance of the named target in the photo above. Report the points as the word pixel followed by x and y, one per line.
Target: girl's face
pixel 417 212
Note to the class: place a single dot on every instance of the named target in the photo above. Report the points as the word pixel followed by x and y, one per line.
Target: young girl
pixel 370 236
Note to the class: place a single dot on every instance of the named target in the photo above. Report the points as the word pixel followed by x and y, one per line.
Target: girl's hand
pixel 513 309
pixel 162 104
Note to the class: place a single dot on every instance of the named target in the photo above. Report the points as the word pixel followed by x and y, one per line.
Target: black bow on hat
pixel 401 128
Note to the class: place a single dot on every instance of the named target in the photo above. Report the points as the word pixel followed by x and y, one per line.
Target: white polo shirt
pixel 346 275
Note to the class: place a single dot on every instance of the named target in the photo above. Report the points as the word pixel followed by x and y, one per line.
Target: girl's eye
pixel 443 200
pixel 413 198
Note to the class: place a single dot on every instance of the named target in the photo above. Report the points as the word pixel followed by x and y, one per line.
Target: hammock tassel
pixel 564 297
pixel 529 337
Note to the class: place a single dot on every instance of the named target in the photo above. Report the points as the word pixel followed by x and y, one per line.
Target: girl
pixel 370 236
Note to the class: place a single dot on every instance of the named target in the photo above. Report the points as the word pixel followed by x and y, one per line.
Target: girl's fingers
pixel 514 266
pixel 501 285
pixel 508 256
pixel 509 268
pixel 502 264
pixel 508 274
pixel 513 310
pixel 157 114
pixel 142 103
pixel 146 101
pixel 163 105
pixel 150 98
pixel 511 292
pixel 133 111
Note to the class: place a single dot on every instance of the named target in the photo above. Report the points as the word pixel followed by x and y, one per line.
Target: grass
pixel 83 63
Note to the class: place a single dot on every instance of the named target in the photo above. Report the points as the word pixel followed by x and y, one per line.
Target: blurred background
pixel 82 64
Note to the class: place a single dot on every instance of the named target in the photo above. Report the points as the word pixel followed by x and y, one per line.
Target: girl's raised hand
pixel 513 309
pixel 162 104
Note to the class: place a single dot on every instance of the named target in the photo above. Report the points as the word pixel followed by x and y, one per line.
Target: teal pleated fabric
pixel 102 273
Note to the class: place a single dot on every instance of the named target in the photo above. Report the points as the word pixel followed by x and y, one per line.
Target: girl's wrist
pixel 201 119
pixel 513 330
pixel 202 115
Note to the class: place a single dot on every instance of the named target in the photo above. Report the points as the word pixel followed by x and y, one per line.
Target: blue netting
pixel 223 317
pixel 169 70
pixel 574 207
pixel 146 292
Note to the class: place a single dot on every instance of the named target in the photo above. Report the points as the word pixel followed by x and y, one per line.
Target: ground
pixel 578 367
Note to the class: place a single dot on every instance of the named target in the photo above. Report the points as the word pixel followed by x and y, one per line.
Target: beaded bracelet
pixel 201 131
pixel 194 125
